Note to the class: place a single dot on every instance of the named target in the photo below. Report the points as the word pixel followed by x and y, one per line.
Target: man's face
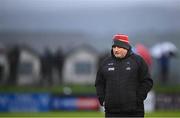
pixel 119 52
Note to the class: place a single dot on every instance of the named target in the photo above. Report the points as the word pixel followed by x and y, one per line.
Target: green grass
pixel 164 114
pixel 79 114
pixel 166 88
pixel 55 114
pixel 76 89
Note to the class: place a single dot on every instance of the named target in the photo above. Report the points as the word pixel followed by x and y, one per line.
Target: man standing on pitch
pixel 123 81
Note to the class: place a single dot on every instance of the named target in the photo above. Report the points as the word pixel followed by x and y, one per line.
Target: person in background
pixel 164 65
pixel 59 63
pixel 13 61
pixel 46 68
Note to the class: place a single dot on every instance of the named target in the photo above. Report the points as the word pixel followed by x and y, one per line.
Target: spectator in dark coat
pixel 13 60
pixel 58 63
pixel 46 67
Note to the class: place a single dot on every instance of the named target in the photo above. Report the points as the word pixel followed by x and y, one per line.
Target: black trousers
pixel 125 114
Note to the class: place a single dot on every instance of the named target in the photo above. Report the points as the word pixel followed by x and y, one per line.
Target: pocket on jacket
pixel 126 102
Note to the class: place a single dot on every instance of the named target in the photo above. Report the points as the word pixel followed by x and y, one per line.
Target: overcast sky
pixel 99 19
pixel 87 14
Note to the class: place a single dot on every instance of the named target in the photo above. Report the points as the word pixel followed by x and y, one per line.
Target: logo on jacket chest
pixel 111 69
pixel 128 68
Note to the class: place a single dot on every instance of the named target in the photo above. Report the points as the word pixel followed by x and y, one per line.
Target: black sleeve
pixel 145 81
pixel 100 86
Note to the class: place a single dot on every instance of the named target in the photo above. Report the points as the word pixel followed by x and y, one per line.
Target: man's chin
pixel 119 57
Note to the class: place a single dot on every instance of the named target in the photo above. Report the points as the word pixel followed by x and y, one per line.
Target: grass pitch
pixel 83 114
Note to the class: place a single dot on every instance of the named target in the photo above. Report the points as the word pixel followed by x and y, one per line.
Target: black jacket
pixel 123 84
